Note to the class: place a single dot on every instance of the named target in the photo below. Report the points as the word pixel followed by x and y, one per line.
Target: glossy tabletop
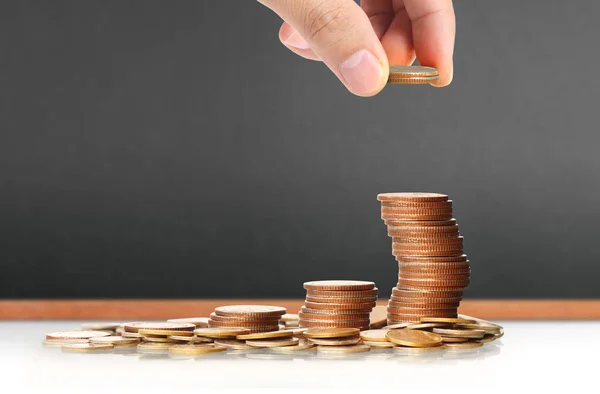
pixel 531 355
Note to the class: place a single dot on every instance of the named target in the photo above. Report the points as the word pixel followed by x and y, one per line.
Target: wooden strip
pixel 163 309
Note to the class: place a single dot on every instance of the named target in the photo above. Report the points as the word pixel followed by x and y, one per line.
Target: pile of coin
pixel 256 318
pixel 338 303
pixel 181 338
pixel 433 270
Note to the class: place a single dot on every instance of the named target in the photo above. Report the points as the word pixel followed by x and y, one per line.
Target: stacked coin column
pixel 433 271
pixel 338 304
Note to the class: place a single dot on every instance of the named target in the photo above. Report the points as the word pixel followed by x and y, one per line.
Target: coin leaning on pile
pixel 433 270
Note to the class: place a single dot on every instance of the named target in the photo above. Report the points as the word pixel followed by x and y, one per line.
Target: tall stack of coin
pixel 433 270
pixel 338 304
pixel 256 318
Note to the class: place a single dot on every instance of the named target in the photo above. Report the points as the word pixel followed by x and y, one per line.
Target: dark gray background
pixel 177 149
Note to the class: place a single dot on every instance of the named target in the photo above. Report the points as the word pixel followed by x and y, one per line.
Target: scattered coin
pixel 87 347
pixel 413 338
pixel 381 345
pixel 159 340
pixel 192 339
pixel 331 332
pixel 267 335
pixel 76 334
pixel 374 335
pixel 115 341
pixel 233 344
pixel 454 339
pixel 275 342
pixel 302 346
pixel 153 346
pixel 136 326
pixel 464 345
pixel 289 317
pixel 196 349
pixel 220 332
pixel 397 326
pixel 335 341
pixel 451 332
pixel 60 342
pixel 343 349
pixel 127 334
pixel 164 333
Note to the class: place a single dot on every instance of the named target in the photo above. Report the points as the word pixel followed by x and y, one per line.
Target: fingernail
pixel 296 40
pixel 362 72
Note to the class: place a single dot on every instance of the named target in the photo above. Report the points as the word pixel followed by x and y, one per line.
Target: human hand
pixel 358 43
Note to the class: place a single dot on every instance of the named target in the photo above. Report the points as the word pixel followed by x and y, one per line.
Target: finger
pixel 295 42
pixel 398 40
pixel 340 33
pixel 434 29
pixel 380 13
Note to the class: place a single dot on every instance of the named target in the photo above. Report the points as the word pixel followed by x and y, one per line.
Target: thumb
pixel 340 34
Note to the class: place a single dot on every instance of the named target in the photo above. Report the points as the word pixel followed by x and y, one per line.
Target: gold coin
pixel 382 345
pixel 454 339
pixel 164 333
pixel 413 338
pixel 159 340
pixel 250 310
pixel 488 338
pixel 454 320
pixel 127 334
pixel 220 332
pixel 374 335
pixel 76 334
pixel 339 285
pixel 411 196
pixel 489 329
pixel 87 347
pixel 196 349
pixel 233 344
pixel 292 349
pixel 417 350
pixel 422 326
pixel 378 316
pixel 412 75
pixel 199 322
pixel 335 341
pixel 136 326
pixel 267 335
pixel 464 345
pixel 397 326
pixel 153 346
pixel 193 339
pixel 60 342
pixel 331 332
pixel 115 341
pixel 100 326
pixel 275 342
pixel 343 349
pixel 451 332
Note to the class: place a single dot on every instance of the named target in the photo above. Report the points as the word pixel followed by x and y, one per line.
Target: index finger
pixel 434 29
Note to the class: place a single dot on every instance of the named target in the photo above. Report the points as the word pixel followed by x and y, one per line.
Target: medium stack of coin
pixel 256 318
pixel 433 269
pixel 338 304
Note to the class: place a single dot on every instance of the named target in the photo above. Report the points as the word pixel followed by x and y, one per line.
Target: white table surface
pixel 531 355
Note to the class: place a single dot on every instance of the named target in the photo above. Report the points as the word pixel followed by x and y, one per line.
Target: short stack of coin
pixel 338 304
pixel 433 269
pixel 256 318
